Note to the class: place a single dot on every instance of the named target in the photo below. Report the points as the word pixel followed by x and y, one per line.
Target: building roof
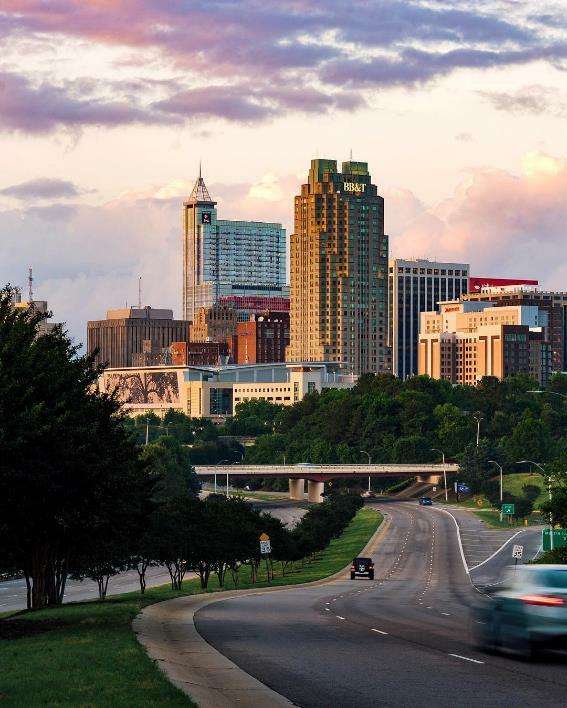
pixel 200 192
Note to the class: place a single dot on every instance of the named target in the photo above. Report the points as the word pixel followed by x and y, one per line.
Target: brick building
pixel 261 340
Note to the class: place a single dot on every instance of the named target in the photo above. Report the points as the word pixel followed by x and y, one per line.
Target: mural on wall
pixel 145 387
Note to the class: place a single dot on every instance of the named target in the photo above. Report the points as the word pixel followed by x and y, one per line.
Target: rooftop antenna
pixel 140 292
pixel 351 154
pixel 200 169
pixel 30 284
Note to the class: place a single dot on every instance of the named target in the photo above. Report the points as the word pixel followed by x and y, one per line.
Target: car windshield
pixel 556 579
pixel 362 560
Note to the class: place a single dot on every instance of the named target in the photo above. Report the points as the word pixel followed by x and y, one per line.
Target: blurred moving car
pixel 425 501
pixel 528 613
pixel 362 567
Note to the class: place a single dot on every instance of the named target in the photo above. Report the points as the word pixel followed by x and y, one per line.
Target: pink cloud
pixel 501 223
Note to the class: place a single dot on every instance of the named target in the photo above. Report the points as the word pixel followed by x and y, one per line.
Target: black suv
pixel 362 566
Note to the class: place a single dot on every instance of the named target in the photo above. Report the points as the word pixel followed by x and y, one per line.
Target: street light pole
pixel 548 476
pixel 501 485
pixel 478 418
pixel 434 449
pixel 147 430
pixel 369 463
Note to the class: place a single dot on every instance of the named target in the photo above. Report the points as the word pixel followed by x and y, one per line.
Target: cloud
pixel 42 188
pixel 464 137
pixel 503 224
pixel 45 107
pixel 534 100
pixel 250 61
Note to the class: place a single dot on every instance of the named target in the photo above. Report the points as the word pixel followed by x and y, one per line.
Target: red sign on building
pixel 476 284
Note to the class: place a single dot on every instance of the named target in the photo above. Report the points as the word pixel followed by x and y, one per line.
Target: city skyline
pixel 460 111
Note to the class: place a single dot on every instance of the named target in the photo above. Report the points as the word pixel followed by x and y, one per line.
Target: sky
pixel 108 106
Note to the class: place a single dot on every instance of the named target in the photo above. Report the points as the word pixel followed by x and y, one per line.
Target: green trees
pixel 70 477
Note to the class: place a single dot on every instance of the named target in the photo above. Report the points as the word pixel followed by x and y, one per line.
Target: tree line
pixel 81 498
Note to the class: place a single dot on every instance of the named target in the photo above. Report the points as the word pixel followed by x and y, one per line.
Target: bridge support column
pixel 430 478
pixel 296 489
pixel 315 491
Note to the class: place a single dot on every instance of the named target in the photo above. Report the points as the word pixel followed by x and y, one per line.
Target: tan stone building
pixel 213 324
pixel 554 303
pixel 215 391
pixel 466 341
pixel 338 269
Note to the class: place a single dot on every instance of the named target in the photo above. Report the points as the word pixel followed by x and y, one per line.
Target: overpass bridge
pixel 316 475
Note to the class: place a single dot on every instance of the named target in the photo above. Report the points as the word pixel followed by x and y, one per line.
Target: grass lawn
pixel 513 483
pixel 492 518
pixel 86 654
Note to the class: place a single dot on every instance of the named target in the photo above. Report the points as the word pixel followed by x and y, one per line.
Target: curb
pixel 168 633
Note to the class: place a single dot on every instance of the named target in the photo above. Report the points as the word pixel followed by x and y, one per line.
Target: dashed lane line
pixel 378 631
pixel 467 658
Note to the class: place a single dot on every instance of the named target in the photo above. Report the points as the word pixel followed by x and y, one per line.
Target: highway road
pixel 402 640
pixel 13 592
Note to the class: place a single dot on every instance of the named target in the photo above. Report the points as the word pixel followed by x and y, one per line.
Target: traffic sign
pixel 464 488
pixel 265 545
pixel 518 552
pixel 559 539
pixel 508 509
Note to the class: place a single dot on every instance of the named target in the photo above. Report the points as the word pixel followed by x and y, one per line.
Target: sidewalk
pixel 167 631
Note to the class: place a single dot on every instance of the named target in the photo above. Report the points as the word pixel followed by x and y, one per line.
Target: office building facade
pixel 261 340
pixel 213 324
pixel 417 286
pixel 130 331
pixel 338 269
pixel 228 258
pixel 215 391
pixel 466 341
pixel 553 303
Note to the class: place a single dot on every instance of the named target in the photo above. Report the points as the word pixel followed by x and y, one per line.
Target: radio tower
pixel 30 284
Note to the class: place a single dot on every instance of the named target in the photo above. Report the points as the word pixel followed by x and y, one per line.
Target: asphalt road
pixel 402 640
pixel 13 592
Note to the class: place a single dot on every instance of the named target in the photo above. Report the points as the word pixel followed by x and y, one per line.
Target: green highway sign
pixel 559 539
pixel 508 509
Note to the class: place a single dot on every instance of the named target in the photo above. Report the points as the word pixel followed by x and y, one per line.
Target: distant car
pixel 368 495
pixel 362 567
pixel 528 613
pixel 425 501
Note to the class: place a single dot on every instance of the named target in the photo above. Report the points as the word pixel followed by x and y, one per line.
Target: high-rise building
pixel 226 258
pixel 338 268
pixel 417 286
pixel 248 305
pixel 131 331
pixel 466 341
pixel 261 340
pixel 554 303
pixel 213 324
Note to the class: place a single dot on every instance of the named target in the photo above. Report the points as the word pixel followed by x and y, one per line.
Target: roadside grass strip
pixel 87 654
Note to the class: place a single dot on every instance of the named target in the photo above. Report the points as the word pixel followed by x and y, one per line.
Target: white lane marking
pixel 327 609
pixel 379 631
pixel 339 617
pixel 447 614
pixel 467 658
pixel 465 566
pixel 497 551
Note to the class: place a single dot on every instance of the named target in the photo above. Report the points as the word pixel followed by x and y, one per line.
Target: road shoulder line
pixel 497 551
pixel 167 631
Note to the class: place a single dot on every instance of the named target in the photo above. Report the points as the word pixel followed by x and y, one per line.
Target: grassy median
pixel 86 654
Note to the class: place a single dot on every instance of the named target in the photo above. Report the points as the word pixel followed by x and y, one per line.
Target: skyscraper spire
pixel 200 192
